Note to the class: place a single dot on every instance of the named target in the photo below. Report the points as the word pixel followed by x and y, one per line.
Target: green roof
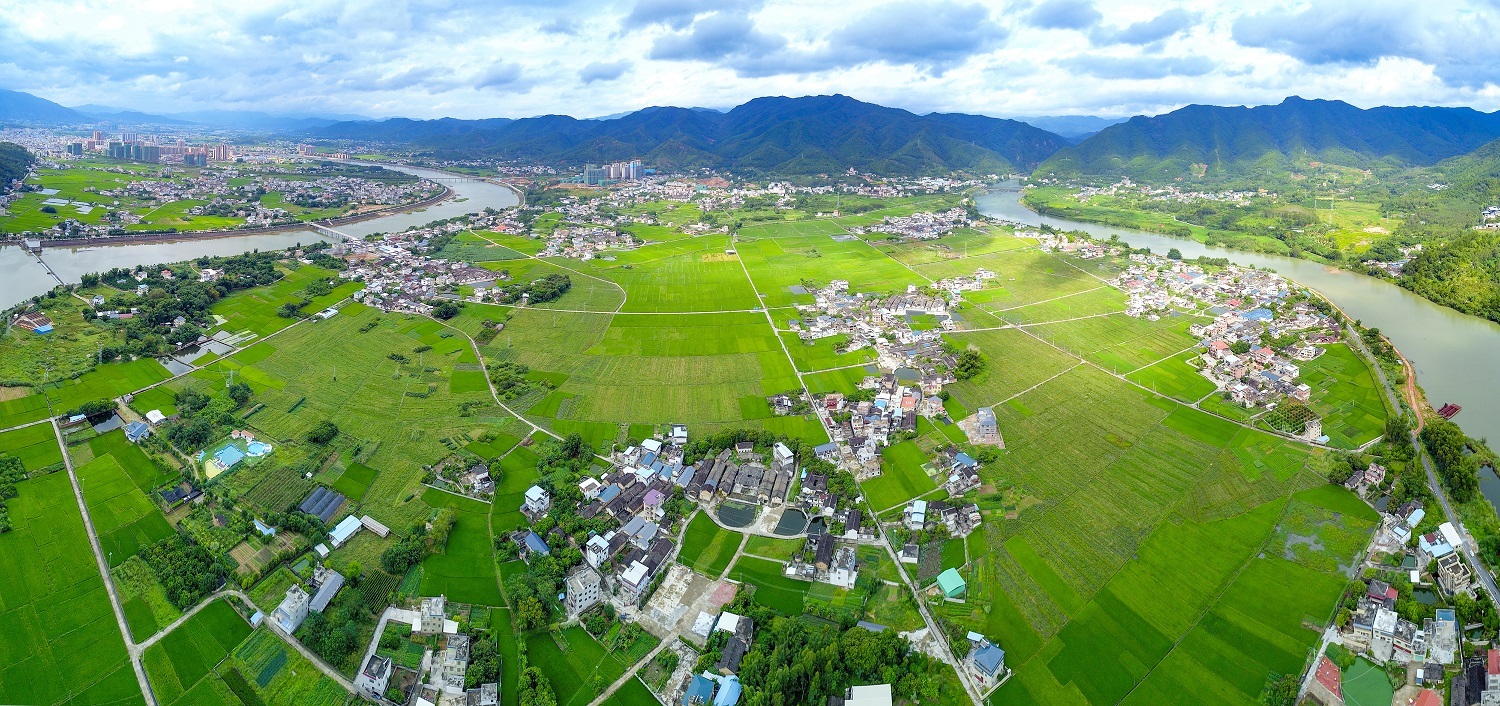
pixel 952 584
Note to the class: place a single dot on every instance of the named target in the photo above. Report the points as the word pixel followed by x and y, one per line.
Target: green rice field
pixel 187 656
pixel 708 548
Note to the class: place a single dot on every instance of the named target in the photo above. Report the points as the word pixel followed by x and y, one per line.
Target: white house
pixel 345 529
pixel 293 610
pixel 538 502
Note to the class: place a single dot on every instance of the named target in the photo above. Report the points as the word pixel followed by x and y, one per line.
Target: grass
pixel 105 381
pixel 773 589
pixel 1345 395
pixel 782 255
pixel 465 571
pixel 773 548
pixel 187 655
pixel 58 639
pixel 576 668
pixel 708 548
pixel 901 478
pixel 1175 378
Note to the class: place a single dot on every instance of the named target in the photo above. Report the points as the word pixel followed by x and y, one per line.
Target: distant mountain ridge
pixel 1209 142
pixel 26 108
pixel 810 135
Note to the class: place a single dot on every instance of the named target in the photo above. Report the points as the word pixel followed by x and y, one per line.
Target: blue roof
pixel 647 458
pixel 989 658
pixel 44 328
pixel 729 692
pixel 686 478
pixel 1261 314
pixel 701 689
pixel 609 493
pixel 825 448
pixel 1446 614
pixel 135 431
pixel 1415 518
pixel 534 543
pixel 230 455
pixel 965 459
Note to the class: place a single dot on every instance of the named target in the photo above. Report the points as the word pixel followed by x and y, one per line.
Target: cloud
pixel 1456 38
pixel 1155 29
pixel 603 71
pixel 1064 14
pixel 561 25
pixel 678 14
pixel 721 36
pixel 932 36
pixel 1137 67
pixel 500 75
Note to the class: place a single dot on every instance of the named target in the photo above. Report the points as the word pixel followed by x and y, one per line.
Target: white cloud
pixel 471 59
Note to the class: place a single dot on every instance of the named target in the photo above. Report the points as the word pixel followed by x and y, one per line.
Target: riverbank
pixel 183 236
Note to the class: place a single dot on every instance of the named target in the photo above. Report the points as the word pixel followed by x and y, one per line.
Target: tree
pixel 289 310
pixel 529 614
pixel 1174 254
pixel 322 432
pixel 446 310
pixel 1280 690
pixel 93 408
pixel 535 690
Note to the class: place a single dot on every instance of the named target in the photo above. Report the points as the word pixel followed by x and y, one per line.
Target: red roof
pixel 1328 675
pixel 1494 662
pixel 1428 697
pixel 1391 593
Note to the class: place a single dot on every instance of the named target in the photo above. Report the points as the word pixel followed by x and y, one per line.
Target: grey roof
pixel 327 591
pixel 323 503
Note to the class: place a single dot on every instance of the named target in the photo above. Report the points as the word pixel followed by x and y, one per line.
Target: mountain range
pixel 810 135
pixel 26 108
pixel 1211 142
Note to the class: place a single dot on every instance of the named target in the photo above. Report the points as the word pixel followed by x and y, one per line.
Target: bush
pixel 323 432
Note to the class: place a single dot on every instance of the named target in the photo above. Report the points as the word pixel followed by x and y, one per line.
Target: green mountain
pixel 811 135
pixel 26 108
pixel 1474 177
pixel 1201 142
pixel 14 161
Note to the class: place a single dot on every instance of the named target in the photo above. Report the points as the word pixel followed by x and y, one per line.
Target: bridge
pixel 325 229
pixel 454 179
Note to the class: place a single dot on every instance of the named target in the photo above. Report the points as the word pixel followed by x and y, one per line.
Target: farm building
pixel 323 503
pixel 951 583
pixel 329 583
pixel 370 524
pixel 345 529
pixel 136 431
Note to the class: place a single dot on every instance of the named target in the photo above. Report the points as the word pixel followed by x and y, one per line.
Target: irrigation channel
pixel 22 276
pixel 1454 354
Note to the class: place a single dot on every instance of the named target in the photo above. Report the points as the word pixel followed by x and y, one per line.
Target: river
pixel 22 277
pixel 1457 356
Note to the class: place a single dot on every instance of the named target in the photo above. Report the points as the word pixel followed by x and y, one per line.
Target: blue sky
pixel 515 58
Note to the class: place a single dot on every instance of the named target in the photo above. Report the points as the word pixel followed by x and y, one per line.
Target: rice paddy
pixel 58 639
pixel 708 548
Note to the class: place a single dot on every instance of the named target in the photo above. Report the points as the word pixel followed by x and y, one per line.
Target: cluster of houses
pixel 401 275
pixel 586 242
pixel 1126 187
pixel 741 474
pixel 445 665
pixel 959 518
pixel 1377 630
pixel 919 226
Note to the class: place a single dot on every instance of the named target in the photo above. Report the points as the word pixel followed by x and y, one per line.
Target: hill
pixel 811 135
pixel 1474 177
pixel 14 161
pixel 26 108
pixel 1213 142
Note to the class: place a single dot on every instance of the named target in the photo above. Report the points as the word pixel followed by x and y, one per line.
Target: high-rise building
pixel 221 153
pixel 306 150
pixel 118 150
pixel 128 137
pixel 634 170
pixel 98 136
pixel 75 148
pixel 594 174
pixel 150 153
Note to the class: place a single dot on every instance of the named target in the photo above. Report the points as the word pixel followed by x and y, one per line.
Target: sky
pixel 518 58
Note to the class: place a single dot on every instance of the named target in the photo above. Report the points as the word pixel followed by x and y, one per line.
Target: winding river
pixel 22 277
pixel 1457 356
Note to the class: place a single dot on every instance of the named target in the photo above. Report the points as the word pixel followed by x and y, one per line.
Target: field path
pixel 132 649
pixel 938 637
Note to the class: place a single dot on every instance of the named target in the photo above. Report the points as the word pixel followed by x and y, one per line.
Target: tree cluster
pixel 187 571
pixel 1458 469
pixel 545 289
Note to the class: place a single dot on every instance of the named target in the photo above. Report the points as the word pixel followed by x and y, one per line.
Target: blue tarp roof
pixel 729 692
pixel 534 543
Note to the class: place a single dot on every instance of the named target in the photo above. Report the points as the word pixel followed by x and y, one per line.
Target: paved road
pixel 132 649
pixel 1481 572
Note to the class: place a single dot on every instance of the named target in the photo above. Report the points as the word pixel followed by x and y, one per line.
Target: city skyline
pixel 1058 57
